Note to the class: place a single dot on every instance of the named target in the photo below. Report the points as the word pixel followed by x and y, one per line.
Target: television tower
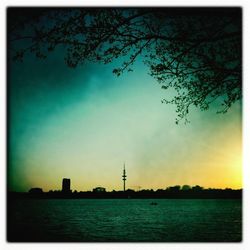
pixel 124 178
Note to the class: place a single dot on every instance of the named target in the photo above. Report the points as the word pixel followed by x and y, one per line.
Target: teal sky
pixel 84 123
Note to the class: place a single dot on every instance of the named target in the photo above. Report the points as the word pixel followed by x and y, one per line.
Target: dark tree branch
pixel 197 53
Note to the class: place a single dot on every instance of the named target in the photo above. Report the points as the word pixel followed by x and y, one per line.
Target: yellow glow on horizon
pixel 236 169
pixel 89 140
pixel 204 165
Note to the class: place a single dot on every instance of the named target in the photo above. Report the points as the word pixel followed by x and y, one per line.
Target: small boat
pixel 154 203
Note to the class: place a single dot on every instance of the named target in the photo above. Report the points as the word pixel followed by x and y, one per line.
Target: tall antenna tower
pixel 124 178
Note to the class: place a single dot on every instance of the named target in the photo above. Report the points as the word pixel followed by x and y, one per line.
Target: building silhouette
pixel 124 178
pixel 99 190
pixel 36 191
pixel 66 185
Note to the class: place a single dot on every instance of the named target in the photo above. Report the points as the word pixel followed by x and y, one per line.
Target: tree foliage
pixel 196 51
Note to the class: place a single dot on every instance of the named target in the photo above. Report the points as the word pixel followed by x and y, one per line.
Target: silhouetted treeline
pixel 175 192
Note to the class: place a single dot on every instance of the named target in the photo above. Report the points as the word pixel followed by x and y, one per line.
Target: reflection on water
pixel 125 220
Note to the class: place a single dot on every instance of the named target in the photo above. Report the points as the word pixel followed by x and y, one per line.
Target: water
pixel 125 220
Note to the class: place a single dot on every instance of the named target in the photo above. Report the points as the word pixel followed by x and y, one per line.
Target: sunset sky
pixel 84 123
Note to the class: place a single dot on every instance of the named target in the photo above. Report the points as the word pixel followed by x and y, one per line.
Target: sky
pixel 85 123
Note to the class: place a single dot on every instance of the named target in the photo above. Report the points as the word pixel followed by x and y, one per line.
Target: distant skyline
pixel 84 123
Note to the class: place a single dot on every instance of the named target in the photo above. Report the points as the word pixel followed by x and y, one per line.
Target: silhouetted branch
pixel 194 51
